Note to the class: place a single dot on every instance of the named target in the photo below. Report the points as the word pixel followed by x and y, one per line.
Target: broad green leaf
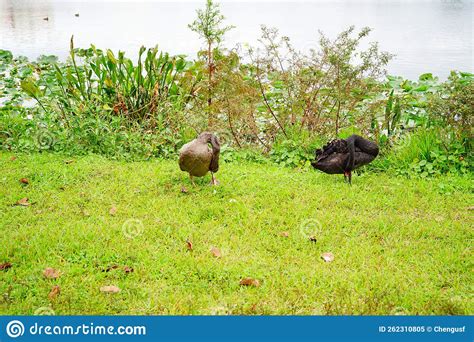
pixel 29 86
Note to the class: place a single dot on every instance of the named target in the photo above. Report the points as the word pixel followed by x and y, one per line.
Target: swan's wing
pixel 332 164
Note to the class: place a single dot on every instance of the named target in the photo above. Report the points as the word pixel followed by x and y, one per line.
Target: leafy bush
pixel 428 152
pixel 103 104
pixel 452 107
pixel 103 84
pixel 84 135
pixel 323 91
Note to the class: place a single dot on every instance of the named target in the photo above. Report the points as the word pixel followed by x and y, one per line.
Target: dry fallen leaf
pixel 127 269
pixel 111 267
pixel 328 257
pixel 12 158
pixel 23 202
pixel 113 211
pixel 54 292
pixel 285 234
pixel 5 266
pixel 189 245
pixel 69 161
pixel 24 181
pixel 184 190
pixel 250 282
pixel 216 252
pixel 313 238
pixel 110 289
pixel 51 273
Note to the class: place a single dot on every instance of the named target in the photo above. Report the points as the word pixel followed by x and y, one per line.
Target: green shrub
pixel 428 152
pixel 452 108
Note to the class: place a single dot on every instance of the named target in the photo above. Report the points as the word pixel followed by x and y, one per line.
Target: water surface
pixel 426 36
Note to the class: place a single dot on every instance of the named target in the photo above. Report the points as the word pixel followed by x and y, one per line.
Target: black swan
pixel 342 156
pixel 198 158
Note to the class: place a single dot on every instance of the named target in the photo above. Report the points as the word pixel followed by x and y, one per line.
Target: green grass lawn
pixel 400 246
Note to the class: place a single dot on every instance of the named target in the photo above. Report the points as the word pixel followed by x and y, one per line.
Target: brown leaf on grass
pixel 111 267
pixel 5 266
pixel 285 234
pixel 12 158
pixel 184 190
pixel 189 245
pixel 54 292
pixel 24 181
pixel 113 211
pixel 23 202
pixel 110 289
pixel 313 238
pixel 327 257
pixel 128 269
pixel 250 282
pixel 51 273
pixel 216 252
pixel 69 161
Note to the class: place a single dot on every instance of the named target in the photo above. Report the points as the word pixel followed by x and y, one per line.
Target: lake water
pixel 426 36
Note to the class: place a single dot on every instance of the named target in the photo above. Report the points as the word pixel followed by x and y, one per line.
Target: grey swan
pixel 342 156
pixel 198 158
